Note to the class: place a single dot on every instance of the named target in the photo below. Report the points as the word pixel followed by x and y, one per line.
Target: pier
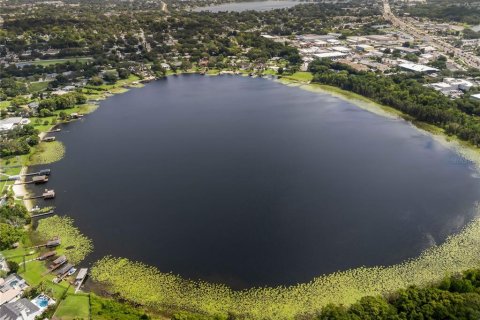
pixel 43 214
pixel 80 278
pixel 46 195
pixel 35 180
pixel 44 172
pixel 48 139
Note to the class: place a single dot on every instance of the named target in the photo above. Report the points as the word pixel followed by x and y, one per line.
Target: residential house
pixel 11 288
pixel 22 309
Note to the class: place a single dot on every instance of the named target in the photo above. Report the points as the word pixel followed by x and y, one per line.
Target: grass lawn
pixel 213 72
pixel 300 76
pixel 269 72
pixel 74 307
pixel 4 104
pixel 103 91
pixel 55 61
pixel 5 166
pixel 37 86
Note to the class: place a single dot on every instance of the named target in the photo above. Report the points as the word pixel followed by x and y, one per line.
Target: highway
pixel 468 59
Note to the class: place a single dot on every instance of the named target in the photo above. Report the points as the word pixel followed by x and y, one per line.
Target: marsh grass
pixel 47 152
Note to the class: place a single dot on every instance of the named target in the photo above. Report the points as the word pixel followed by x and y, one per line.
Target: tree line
pixel 401 91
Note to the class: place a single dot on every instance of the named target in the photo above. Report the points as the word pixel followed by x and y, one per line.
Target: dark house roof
pixel 13 310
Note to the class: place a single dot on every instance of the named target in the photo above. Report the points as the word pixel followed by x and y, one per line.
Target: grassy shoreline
pixel 457 254
pixel 463 148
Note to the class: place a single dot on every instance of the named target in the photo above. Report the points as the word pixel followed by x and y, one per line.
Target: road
pixel 467 58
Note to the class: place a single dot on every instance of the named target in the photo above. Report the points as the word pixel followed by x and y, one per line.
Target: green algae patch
pixel 75 246
pixel 164 290
pixel 47 152
pixel 87 108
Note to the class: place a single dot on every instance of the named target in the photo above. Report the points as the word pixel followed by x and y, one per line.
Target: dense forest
pixel 457 297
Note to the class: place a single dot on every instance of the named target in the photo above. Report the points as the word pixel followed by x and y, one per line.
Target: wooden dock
pixel 43 172
pixel 80 278
pixel 35 180
pixel 46 195
pixel 43 214
pixel 49 139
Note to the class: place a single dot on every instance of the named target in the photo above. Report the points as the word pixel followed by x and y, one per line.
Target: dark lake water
pixel 250 5
pixel 250 182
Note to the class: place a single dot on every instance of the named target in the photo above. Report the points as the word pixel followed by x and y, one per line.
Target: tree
pixel 96 81
pixel 10 235
pixel 110 76
pixel 13 266
pixel 123 73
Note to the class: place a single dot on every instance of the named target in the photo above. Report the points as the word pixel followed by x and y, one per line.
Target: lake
pixel 250 5
pixel 249 182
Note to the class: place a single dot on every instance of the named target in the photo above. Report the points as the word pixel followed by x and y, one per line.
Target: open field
pixel 55 61
pixel 37 86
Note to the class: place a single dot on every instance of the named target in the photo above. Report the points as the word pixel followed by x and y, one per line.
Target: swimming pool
pixel 41 301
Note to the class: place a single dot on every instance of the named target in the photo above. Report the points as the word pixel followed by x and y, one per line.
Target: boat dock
pixel 80 278
pixel 55 242
pixel 43 214
pixel 36 180
pixel 46 195
pixel 44 172
pixel 49 139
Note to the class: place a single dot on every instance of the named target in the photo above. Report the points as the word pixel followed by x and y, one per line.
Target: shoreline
pixel 20 189
pixel 463 149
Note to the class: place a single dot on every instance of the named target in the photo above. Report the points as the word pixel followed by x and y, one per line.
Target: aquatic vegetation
pixel 47 152
pixel 148 286
pixel 77 246
pixel 87 108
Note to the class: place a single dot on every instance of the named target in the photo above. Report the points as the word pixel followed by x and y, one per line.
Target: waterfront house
pixel 11 123
pixel 64 269
pixel 22 309
pixel 58 262
pixel 46 255
pixel 11 288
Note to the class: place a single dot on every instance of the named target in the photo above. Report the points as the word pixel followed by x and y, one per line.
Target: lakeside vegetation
pixel 164 290
pixel 458 117
pixel 77 246
pixel 266 302
pixel 108 42
pixel 47 152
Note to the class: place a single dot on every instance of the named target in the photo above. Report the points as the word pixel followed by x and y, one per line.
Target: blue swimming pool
pixel 41 301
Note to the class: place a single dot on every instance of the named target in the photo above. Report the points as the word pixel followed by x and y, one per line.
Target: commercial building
pixel 330 55
pixel 418 68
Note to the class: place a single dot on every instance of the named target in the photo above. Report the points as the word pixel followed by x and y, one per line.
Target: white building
pixel 475 96
pixel 341 49
pixel 452 87
pixel 11 123
pixel 11 288
pixel 330 55
pixel 418 68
